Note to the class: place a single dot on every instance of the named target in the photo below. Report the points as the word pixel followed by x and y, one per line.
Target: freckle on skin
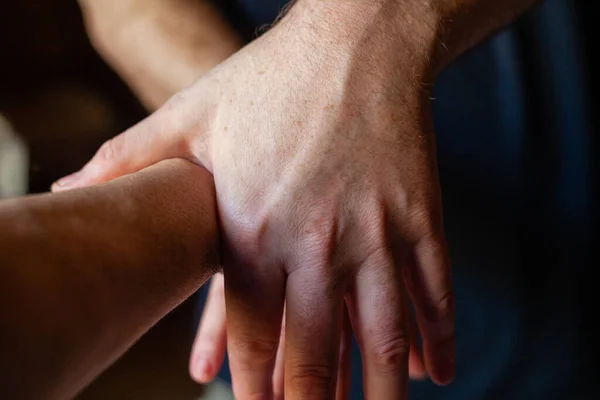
pixel 225 129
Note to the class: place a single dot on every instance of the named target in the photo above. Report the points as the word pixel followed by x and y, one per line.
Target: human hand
pixel 320 140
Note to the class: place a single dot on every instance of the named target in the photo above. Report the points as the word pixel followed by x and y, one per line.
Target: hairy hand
pixel 320 140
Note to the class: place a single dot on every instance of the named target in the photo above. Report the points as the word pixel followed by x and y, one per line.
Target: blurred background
pixel 55 91
pixel 502 131
pixel 64 101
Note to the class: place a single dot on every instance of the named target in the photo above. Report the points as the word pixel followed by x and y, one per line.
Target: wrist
pixel 430 33
pixel 392 36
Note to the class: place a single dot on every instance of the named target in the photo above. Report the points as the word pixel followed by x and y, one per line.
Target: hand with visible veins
pixel 320 139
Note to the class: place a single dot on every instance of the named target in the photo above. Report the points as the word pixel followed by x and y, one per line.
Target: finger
pixel 429 284
pixel 342 391
pixel 314 313
pixel 208 351
pixel 416 366
pixel 163 135
pixel 344 368
pixel 279 369
pixel 255 299
pixel 379 318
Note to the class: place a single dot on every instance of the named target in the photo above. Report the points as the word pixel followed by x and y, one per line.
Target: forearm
pixel 159 47
pixel 430 32
pixel 464 23
pixel 84 273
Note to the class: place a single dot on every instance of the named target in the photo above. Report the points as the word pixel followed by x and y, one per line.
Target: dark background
pixel 64 101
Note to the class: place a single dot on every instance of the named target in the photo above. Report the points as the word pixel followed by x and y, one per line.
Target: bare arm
pixel 334 191
pixel 427 34
pixel 159 47
pixel 83 274
pixel 464 23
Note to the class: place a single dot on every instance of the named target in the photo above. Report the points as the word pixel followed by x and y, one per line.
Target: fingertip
pixel 443 373
pixel 446 376
pixel 443 379
pixel 416 367
pixel 418 375
pixel 66 182
pixel 55 188
pixel 202 369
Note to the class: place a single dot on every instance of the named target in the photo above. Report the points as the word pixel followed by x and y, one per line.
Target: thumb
pixel 171 132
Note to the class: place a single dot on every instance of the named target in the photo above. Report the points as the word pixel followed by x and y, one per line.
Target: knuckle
pixel 421 206
pixel 425 219
pixel 390 353
pixel 440 309
pixel 321 254
pixel 108 150
pixel 319 238
pixel 374 231
pixel 251 233
pixel 446 305
pixel 253 351
pixel 314 380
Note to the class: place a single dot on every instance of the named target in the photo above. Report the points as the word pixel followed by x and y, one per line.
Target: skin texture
pixel 84 274
pixel 158 47
pixel 320 138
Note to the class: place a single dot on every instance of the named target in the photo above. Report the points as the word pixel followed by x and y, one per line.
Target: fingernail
pixel 67 181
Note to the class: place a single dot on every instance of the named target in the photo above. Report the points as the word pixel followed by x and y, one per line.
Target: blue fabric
pixel 516 168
